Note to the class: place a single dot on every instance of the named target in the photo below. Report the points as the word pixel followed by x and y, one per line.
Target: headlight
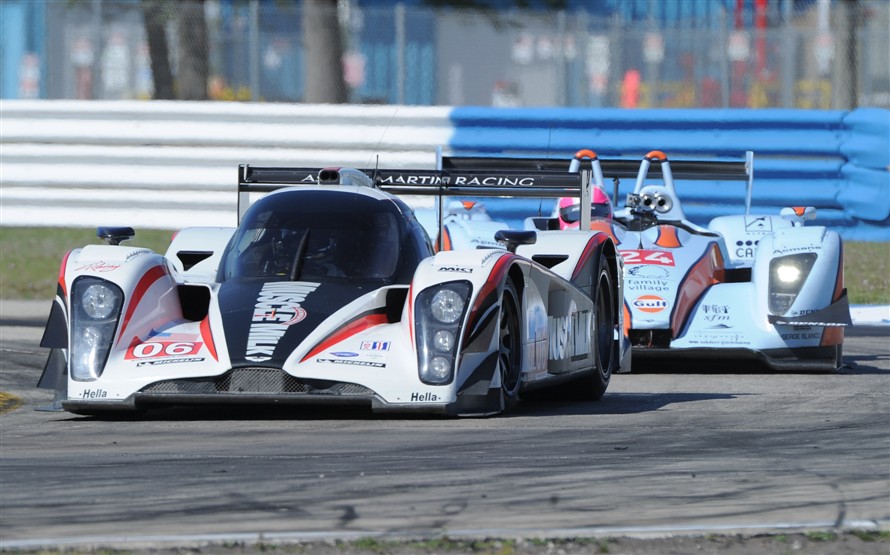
pixel 447 306
pixel 99 301
pixel 439 312
pixel 95 309
pixel 787 274
pixel 443 340
pixel 440 368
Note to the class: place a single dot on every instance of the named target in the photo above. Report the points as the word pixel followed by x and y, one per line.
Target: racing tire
pixel 605 347
pixel 509 363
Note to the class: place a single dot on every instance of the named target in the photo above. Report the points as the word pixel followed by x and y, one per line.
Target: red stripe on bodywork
pixel 707 271
pixel 358 325
pixel 488 291
pixel 495 277
pixel 147 280
pixel 591 245
pixel 207 336
pixel 64 265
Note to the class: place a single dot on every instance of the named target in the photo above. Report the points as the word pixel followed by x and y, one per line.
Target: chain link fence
pixel 831 55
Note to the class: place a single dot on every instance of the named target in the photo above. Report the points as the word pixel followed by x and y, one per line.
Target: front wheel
pixel 509 365
pixel 605 345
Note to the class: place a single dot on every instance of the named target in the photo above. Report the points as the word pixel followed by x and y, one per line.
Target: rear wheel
pixel 509 365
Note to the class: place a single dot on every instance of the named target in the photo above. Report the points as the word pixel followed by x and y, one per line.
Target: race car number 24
pixel 662 258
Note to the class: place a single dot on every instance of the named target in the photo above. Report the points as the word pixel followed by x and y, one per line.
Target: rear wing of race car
pixel 550 182
pixel 655 165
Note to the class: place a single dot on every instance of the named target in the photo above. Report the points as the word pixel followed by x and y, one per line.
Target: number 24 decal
pixel 662 258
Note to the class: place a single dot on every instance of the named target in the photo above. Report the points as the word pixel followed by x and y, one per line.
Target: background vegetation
pixel 30 259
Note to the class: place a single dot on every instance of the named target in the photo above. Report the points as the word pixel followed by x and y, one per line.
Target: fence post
pixel 400 52
pixel 254 48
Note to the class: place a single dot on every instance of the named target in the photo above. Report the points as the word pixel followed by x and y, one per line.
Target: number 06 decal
pixel 156 349
pixel 662 258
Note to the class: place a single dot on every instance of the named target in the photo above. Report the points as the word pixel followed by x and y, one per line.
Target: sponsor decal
pixel 758 224
pixel 414 180
pixel 745 249
pixel 491 255
pixel 375 346
pixel 634 284
pixel 352 362
pixel 806 335
pixel 94 394
pixel 136 253
pixel 424 397
pixel 732 339
pixel 98 267
pixel 170 361
pixel 570 334
pixel 715 313
pixel 344 354
pixel 650 303
pixel 495 181
pixel 648 271
pixel 277 308
pixel 663 258
pixel 798 249
pixel 159 345
pixel 459 269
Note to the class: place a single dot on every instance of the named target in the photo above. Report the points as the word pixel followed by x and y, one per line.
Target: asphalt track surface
pixel 704 451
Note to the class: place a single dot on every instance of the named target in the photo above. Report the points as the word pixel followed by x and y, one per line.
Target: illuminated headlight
pixel 787 274
pixel 95 309
pixel 439 312
pixel 447 306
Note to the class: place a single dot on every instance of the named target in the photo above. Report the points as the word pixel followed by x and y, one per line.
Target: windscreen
pixel 307 244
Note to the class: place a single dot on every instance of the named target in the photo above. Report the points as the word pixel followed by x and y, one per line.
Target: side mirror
pixel 798 214
pixel 511 238
pixel 115 235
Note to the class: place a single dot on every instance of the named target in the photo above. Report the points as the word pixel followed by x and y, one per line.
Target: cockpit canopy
pixel 316 235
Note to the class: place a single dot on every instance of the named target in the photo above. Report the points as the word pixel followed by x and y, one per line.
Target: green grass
pixel 30 259
pixel 867 272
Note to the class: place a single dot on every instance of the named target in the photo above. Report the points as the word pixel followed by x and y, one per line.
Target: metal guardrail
pixel 173 164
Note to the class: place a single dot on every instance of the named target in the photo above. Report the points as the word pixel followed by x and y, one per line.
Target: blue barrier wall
pixel 837 161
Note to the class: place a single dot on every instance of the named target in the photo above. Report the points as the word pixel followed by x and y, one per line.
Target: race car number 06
pixel 153 349
pixel 648 257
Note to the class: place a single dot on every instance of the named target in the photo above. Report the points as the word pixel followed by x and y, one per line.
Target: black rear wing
pixel 616 168
pixel 477 182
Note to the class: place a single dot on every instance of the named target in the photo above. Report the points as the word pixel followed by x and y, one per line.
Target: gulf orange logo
pixel 650 303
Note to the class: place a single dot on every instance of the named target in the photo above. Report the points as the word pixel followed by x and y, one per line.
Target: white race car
pixel 330 291
pixel 759 287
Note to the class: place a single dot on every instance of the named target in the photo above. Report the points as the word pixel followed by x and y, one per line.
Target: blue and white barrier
pixel 172 164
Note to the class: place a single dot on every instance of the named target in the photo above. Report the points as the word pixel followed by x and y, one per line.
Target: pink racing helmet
pixel 569 209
